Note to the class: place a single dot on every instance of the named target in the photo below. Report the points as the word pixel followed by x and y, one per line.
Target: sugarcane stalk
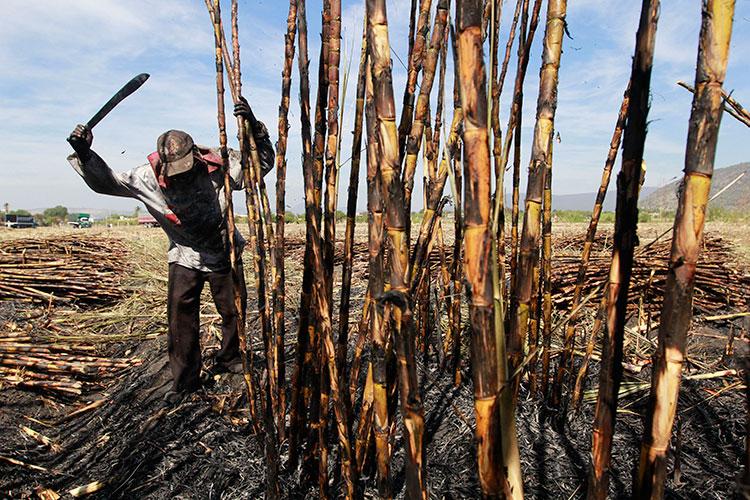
pixel 416 57
pixel 359 346
pixel 351 214
pixel 395 219
pixel 514 131
pixel 687 236
pixel 376 287
pixel 497 83
pixel 297 417
pixel 253 185
pixel 453 341
pixel 433 147
pixel 421 114
pixel 546 277
pixel 364 429
pixel 575 400
pixel 323 315
pixel 332 13
pixel 541 157
pixel 625 237
pixel 566 362
pixel 319 402
pixel 245 349
pixel 478 248
pixel 732 106
pixel 331 195
pixel 278 293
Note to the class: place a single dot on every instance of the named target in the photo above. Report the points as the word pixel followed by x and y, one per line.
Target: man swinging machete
pixel 182 187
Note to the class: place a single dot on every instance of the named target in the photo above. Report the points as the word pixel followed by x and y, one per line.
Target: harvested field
pixel 115 431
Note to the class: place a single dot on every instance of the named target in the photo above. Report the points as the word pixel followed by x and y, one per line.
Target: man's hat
pixel 175 149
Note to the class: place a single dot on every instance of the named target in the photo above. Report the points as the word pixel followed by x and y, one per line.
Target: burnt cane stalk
pixel 414 141
pixel 546 277
pixel 278 293
pixel 376 286
pixel 312 216
pixel 452 343
pixel 566 362
pixel 398 299
pixel 625 237
pixel 254 184
pixel 416 57
pixel 231 228
pixel 331 196
pixel 541 156
pixel 478 248
pixel 687 236
pixel 301 388
pixel 351 214
pixel 513 131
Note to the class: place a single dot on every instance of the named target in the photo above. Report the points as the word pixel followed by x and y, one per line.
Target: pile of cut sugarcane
pixel 54 368
pixel 64 269
pixel 718 285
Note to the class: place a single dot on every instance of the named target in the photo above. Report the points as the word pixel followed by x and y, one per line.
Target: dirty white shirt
pixel 194 219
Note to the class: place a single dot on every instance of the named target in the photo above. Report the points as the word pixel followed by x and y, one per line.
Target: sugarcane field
pixel 459 249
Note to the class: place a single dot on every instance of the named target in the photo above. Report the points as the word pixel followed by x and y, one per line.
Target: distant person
pixel 182 186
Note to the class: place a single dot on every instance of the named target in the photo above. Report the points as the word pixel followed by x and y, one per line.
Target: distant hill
pixel 736 198
pixel 581 201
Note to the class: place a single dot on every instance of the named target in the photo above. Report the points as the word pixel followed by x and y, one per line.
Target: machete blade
pixel 116 99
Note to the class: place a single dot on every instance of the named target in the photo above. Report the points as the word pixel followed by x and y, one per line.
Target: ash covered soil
pixel 203 447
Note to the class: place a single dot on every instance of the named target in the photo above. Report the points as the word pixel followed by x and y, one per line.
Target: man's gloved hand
pixel 80 139
pixel 242 108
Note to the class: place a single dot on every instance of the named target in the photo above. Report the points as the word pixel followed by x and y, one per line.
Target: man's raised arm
pixel 92 168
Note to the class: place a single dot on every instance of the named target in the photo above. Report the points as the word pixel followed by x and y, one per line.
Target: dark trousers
pixel 183 314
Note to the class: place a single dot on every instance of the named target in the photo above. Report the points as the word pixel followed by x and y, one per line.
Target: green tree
pixel 55 215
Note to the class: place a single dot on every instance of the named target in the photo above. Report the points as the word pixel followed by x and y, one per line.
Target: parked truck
pixel 19 221
pixel 80 220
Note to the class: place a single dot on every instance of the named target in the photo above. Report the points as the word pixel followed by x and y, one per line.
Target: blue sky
pixel 63 60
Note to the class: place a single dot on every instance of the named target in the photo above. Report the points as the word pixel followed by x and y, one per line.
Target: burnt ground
pixel 201 449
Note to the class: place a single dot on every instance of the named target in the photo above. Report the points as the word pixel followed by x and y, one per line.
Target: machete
pixel 116 99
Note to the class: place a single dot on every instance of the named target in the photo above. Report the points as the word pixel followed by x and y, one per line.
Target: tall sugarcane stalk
pixel 566 362
pixel 452 345
pixel 687 236
pixel 541 157
pixel 376 285
pixel 331 195
pixel 498 81
pixel 513 132
pixel 320 405
pixel 332 13
pixel 351 214
pixel 303 366
pixel 312 168
pixel 245 350
pixel 254 185
pixel 278 293
pixel 478 247
pixel 421 114
pixel 626 222
pixel 399 302
pixel 416 57
pixel 546 277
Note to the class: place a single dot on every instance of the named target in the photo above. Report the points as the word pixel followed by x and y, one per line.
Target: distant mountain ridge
pixel 580 201
pixel 736 198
